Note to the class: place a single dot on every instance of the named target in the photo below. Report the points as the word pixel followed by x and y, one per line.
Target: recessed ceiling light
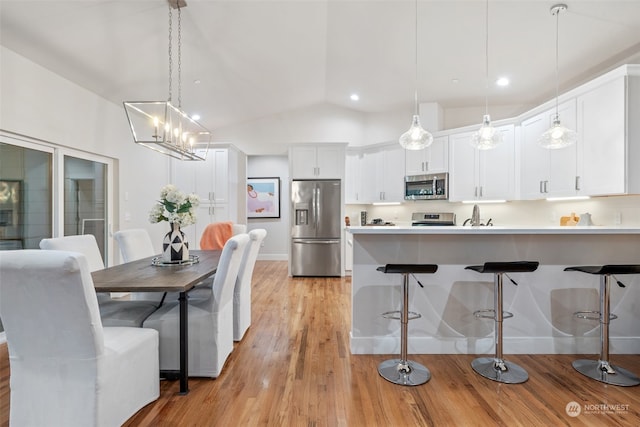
pixel 196 117
pixel 355 97
pixel 502 81
pixel 455 81
pixel 196 81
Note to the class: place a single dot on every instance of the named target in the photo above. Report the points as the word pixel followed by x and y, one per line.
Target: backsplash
pixel 612 210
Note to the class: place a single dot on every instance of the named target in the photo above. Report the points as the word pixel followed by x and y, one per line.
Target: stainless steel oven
pixel 427 187
pixel 426 219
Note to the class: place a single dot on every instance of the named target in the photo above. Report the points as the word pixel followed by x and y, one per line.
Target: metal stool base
pixel 605 372
pixel 488 368
pixel 404 373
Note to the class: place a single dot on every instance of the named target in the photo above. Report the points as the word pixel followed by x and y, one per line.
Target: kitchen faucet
pixel 475 216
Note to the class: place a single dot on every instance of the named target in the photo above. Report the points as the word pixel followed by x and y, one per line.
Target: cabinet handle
pixel 546 186
pixel 577 183
pixel 475 192
pixel 212 210
pixel 481 191
pixel 541 189
pixel 426 166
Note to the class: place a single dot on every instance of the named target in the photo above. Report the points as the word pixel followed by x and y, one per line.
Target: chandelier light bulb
pixel 416 138
pixel 487 137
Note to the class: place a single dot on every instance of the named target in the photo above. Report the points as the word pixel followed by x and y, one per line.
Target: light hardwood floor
pixel 294 368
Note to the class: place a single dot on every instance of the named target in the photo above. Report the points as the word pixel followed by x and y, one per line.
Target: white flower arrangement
pixel 175 207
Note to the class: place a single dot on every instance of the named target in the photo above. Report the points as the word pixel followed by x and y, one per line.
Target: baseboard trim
pixel 272 257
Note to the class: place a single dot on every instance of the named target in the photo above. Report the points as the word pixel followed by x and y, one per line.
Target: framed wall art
pixel 263 197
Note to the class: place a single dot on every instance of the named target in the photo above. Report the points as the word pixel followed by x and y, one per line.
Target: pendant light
pixel 416 138
pixel 557 136
pixel 487 137
pixel 162 126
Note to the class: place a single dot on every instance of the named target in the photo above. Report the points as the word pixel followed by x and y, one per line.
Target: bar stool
pixel 601 370
pixel 496 368
pixel 403 371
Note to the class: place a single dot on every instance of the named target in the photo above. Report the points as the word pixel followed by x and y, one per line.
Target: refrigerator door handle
pixel 316 199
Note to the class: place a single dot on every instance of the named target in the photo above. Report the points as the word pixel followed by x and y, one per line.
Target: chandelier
pixel 163 126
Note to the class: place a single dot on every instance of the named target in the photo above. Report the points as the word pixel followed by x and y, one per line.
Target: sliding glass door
pixel 50 191
pixel 85 200
pixel 25 195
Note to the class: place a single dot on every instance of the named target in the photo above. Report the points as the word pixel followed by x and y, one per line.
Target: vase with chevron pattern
pixel 175 246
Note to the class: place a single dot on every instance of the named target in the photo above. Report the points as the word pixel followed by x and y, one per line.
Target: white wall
pixel 314 124
pixel 276 243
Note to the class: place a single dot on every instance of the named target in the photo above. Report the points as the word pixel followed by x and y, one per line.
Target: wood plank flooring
pixel 294 368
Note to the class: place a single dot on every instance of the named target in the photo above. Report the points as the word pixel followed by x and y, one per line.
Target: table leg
pixel 184 344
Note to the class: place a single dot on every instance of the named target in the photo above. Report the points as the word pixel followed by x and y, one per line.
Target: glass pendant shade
pixel 487 137
pixel 166 129
pixel 416 138
pixel 557 136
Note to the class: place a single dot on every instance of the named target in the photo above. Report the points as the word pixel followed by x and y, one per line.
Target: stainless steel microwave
pixel 427 187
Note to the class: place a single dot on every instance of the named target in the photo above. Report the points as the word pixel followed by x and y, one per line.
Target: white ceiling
pixel 258 58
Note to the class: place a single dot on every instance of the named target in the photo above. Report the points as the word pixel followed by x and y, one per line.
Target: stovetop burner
pixel 422 219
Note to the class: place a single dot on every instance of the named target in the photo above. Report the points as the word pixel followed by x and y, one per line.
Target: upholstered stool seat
pixel 496 368
pixel 601 370
pixel 403 371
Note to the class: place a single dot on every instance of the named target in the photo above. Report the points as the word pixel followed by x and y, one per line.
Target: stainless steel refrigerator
pixel 316 228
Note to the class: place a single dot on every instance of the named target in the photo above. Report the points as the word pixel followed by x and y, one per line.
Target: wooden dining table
pixel 149 275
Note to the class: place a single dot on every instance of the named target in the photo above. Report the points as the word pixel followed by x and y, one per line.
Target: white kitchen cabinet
pixel 482 174
pixel 308 161
pixel 543 172
pixel 208 179
pixel 220 182
pixel 433 159
pixel 602 131
pixel 383 174
pixel 212 183
pixel 353 177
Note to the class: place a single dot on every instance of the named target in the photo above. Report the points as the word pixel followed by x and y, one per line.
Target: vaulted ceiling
pixel 252 59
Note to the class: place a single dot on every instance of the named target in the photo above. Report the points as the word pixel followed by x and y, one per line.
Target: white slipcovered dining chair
pixel 135 244
pixel 242 290
pixel 112 312
pixel 66 368
pixel 203 289
pixel 210 319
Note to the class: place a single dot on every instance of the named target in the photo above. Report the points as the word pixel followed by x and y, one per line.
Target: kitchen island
pixel 543 303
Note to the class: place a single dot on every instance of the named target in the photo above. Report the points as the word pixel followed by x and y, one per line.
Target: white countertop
pixel 592 229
